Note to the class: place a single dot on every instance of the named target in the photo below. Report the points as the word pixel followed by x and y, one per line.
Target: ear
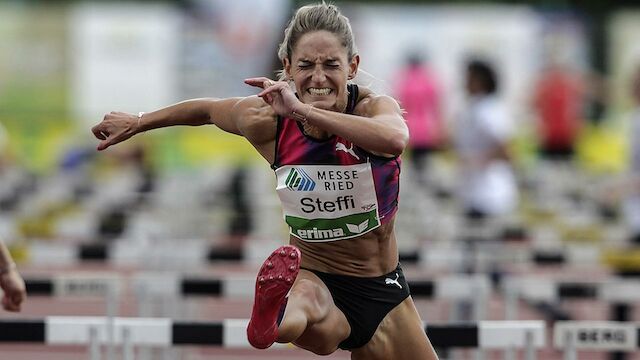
pixel 286 65
pixel 353 66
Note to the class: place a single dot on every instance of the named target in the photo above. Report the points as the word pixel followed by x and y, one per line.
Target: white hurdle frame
pixel 231 333
pixel 572 336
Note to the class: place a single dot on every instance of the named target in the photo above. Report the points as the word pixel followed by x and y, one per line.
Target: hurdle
pixel 572 336
pixel 187 253
pixel 231 286
pixel 542 289
pixel 196 252
pixel 92 284
pixel 168 286
pixel 231 333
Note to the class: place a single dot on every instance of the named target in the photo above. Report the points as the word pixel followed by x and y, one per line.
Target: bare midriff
pixel 372 254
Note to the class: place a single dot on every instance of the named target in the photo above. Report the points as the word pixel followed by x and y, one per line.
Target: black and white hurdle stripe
pixel 191 252
pixel 446 287
pixel 231 333
pixel 196 253
pixel 230 286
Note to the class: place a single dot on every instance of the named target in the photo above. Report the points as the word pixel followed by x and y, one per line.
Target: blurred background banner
pixel 122 56
pixel 63 64
pixel 33 82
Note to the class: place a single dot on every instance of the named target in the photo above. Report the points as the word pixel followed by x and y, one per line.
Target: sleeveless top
pixel 331 189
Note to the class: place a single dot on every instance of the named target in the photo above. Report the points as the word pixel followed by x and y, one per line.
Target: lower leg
pixel 308 305
pixel 293 324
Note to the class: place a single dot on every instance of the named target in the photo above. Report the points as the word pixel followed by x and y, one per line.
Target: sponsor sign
pixel 328 202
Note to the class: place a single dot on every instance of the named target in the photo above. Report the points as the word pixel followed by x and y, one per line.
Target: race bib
pixel 328 202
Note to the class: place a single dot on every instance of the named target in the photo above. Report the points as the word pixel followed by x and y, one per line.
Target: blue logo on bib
pixel 299 180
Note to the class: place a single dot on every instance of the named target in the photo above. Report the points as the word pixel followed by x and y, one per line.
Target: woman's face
pixel 320 69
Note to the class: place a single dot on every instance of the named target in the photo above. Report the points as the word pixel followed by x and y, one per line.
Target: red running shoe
pixel 275 278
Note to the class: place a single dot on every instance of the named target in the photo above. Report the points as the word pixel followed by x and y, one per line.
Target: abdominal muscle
pixel 372 254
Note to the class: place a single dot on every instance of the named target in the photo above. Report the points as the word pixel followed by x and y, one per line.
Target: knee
pixel 314 300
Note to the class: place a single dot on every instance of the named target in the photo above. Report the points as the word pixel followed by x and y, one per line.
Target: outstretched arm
pixel 119 126
pixel 10 281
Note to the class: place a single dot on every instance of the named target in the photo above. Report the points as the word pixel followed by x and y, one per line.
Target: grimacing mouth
pixel 319 91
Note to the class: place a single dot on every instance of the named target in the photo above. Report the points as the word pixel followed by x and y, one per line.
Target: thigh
pixel 400 336
pixel 324 335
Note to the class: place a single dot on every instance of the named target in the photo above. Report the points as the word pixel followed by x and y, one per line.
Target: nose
pixel 318 75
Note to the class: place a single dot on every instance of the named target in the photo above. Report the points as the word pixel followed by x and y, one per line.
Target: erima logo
pixel 319 234
pixel 324 234
pixel 357 229
pixel 299 180
pixel 388 281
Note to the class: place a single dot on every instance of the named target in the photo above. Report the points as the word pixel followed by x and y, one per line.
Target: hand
pixel 14 290
pixel 114 128
pixel 277 94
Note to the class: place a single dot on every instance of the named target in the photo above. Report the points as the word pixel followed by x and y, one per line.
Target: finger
pixel 97 132
pixel 13 307
pixel 104 144
pixel 259 82
pixel 271 89
pixel 18 299
pixel 10 304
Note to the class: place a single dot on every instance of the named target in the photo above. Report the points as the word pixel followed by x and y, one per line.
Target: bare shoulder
pixel 371 104
pixel 256 120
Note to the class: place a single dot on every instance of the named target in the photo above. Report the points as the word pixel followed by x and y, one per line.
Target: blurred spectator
pixel 132 163
pixel 482 135
pixel 241 222
pixel 558 102
pixel 10 281
pixel 632 199
pixel 419 93
pixel 596 97
pixel 627 189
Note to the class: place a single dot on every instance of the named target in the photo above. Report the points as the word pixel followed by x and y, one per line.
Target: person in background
pixel 482 136
pixel 558 102
pixel 626 191
pixel 11 282
pixel 419 94
pixel 335 149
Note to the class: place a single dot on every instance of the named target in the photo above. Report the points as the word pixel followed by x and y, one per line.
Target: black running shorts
pixel 365 301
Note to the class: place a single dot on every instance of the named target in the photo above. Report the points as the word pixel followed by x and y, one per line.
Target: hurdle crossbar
pixel 232 286
pixel 231 333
